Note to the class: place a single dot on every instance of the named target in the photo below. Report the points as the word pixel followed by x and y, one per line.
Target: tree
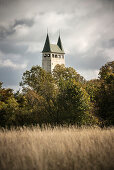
pixel 105 97
pixel 73 104
pixel 40 81
pixel 31 108
pixel 0 85
pixel 106 72
pixel 61 72
pixel 8 107
pixel 92 87
pixel 40 90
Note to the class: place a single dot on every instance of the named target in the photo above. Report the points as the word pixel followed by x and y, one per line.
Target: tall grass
pixel 57 149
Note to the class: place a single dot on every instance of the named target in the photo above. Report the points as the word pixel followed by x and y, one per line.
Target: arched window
pixel 53 55
pixel 48 55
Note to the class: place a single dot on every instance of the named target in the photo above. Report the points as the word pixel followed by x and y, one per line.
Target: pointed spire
pixel 47 45
pixel 59 43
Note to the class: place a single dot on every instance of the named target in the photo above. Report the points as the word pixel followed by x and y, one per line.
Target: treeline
pixel 63 97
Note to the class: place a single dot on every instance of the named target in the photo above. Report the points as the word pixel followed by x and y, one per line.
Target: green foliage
pixel 106 72
pixel 73 104
pixel 8 107
pixel 40 81
pixel 0 85
pixel 101 93
pixel 61 72
pixel 105 97
pixel 92 88
pixel 61 97
pixel 106 103
pixel 40 91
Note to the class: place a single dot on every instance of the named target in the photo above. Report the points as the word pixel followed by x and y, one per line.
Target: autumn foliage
pixel 62 97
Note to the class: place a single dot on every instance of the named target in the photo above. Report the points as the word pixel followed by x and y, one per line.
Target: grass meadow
pixel 60 148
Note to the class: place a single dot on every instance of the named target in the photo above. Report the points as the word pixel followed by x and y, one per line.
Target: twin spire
pixel 59 43
pixel 47 45
pixel 57 48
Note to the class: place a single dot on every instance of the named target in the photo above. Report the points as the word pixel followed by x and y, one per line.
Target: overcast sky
pixel 87 33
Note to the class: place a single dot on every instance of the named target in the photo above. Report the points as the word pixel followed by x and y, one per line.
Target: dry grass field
pixel 57 149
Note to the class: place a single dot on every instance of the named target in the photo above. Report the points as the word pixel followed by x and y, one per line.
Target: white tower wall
pixel 50 60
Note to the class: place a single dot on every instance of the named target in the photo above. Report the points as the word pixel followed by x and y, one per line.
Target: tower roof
pixel 47 45
pixel 54 48
pixel 59 43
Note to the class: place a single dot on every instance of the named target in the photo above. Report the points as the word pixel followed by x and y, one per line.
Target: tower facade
pixel 52 54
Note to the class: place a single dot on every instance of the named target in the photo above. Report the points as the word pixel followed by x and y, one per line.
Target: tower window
pixel 45 55
pixel 53 55
pixel 62 56
pixel 48 55
pixel 56 56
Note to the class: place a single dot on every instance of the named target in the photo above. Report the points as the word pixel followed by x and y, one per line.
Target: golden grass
pixel 57 149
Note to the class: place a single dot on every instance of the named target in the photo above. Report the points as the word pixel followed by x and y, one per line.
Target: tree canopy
pixel 60 97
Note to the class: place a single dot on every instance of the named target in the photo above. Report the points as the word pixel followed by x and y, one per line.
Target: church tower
pixel 52 54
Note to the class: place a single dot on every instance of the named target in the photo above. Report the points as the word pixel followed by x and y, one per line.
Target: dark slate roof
pixel 59 43
pixel 53 47
pixel 47 45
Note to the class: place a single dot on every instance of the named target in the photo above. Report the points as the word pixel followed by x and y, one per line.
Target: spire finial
pixel 59 43
pixel 59 32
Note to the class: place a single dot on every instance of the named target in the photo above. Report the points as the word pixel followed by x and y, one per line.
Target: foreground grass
pixel 57 149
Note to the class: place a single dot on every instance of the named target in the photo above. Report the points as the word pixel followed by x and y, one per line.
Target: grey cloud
pixel 108 2
pixel 4 32
pixel 86 32
pixel 88 62
pixel 5 2
pixel 9 48
pixel 93 59
pixel 27 21
pixel 10 77
pixel 109 43
pixel 7 31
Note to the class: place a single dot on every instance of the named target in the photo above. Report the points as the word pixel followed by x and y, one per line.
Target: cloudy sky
pixel 87 33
